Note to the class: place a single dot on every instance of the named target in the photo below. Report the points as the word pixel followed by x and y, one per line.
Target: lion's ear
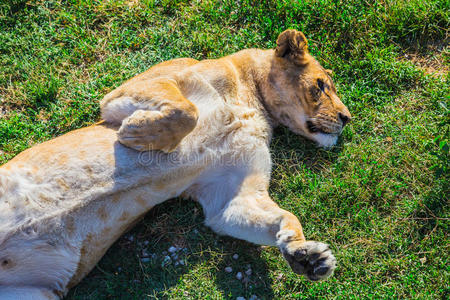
pixel 292 45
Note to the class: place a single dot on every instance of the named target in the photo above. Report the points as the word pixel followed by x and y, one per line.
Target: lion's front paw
pixel 312 259
pixel 149 130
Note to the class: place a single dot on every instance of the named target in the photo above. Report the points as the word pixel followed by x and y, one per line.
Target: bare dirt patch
pixel 433 60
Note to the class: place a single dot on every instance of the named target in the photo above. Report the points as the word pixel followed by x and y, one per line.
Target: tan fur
pixel 64 202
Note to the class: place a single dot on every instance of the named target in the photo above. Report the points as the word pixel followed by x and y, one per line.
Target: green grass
pixel 380 198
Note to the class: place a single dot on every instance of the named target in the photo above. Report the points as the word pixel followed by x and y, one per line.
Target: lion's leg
pixel 154 115
pixel 253 216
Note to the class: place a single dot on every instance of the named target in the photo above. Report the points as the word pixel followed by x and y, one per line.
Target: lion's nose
pixel 345 118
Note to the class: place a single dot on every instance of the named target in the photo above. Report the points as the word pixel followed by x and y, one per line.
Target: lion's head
pixel 300 93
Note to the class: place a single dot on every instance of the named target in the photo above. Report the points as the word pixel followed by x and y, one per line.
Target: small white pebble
pixel 239 276
pixel 240 298
pixel 248 272
pixel 172 249
pixel 145 259
pixel 166 261
pixel 236 256
pixel 228 269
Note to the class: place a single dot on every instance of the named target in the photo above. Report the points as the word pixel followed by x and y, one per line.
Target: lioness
pixel 197 129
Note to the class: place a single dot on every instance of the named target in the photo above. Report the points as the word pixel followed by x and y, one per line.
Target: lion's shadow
pixel 292 153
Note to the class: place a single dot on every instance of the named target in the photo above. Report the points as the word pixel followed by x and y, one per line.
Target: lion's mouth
pixel 314 128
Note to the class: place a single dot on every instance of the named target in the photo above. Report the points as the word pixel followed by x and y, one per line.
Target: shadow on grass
pixel 124 274
pixel 13 9
pixel 433 211
pixel 287 147
pixel 293 154
pixel 15 6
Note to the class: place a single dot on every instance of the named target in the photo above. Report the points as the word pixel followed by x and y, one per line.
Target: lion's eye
pixel 321 85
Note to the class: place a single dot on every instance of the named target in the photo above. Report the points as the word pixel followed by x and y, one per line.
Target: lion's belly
pixel 86 164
